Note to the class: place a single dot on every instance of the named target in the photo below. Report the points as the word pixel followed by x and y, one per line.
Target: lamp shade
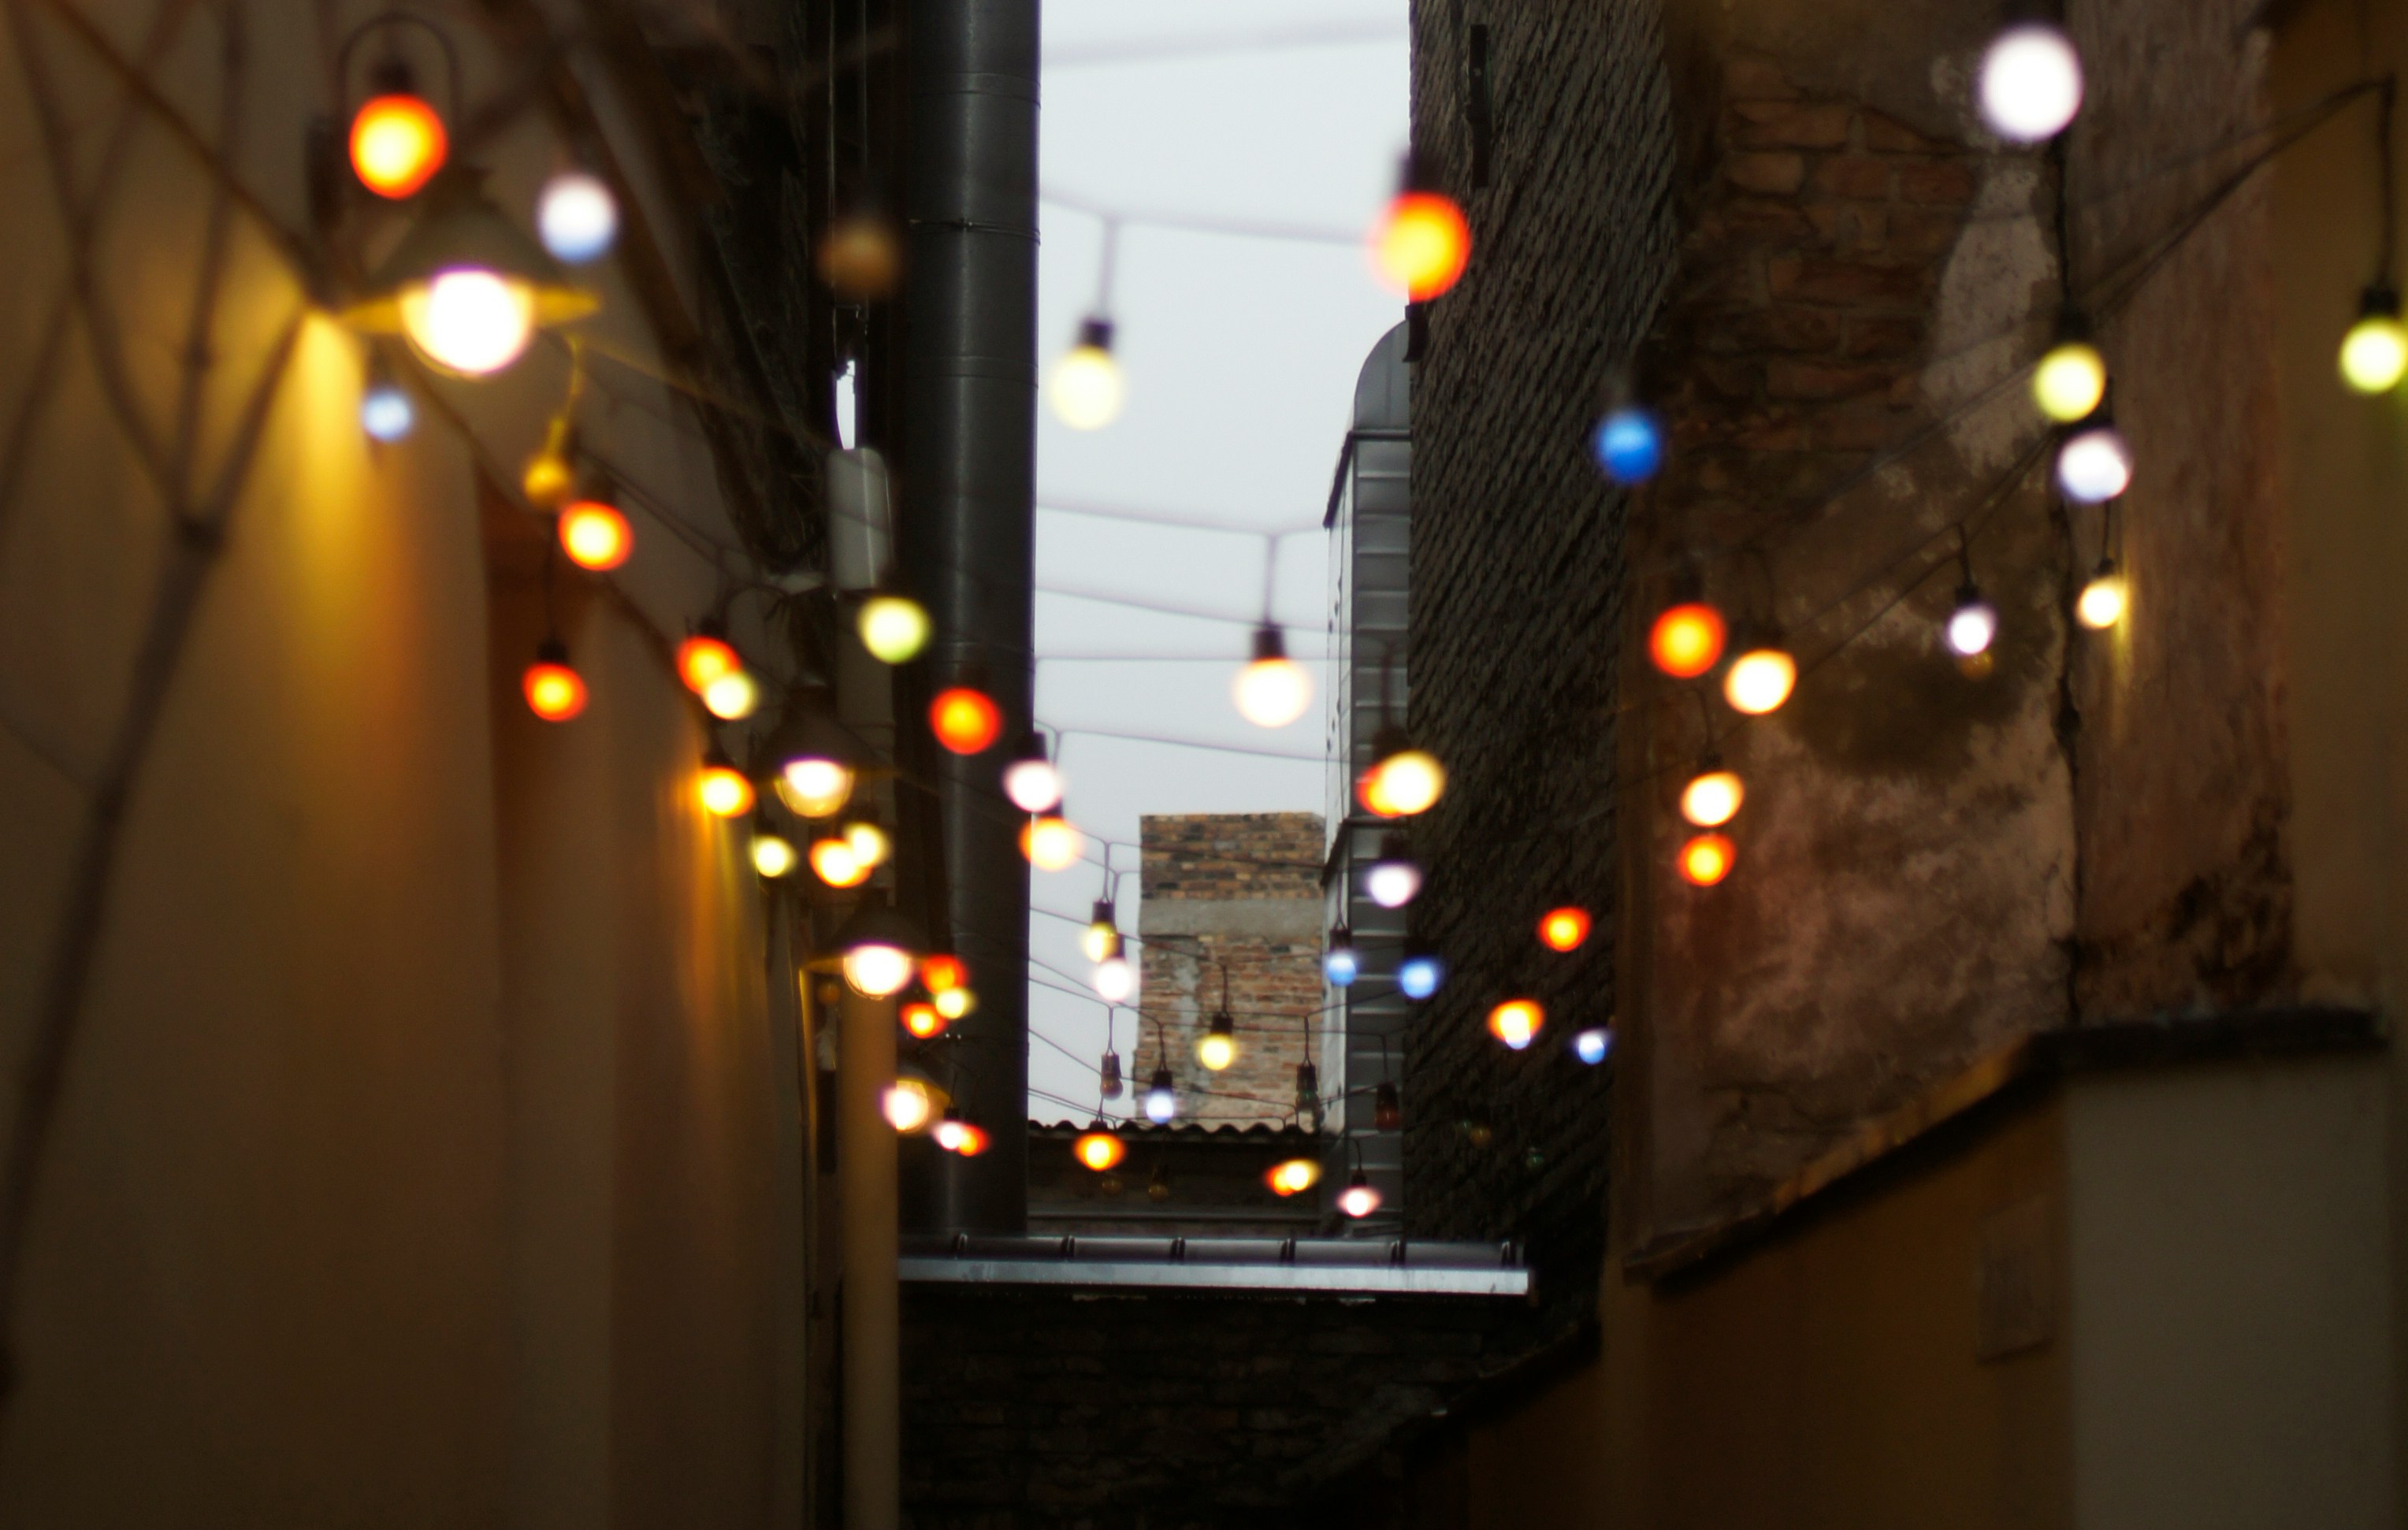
pixel 466 286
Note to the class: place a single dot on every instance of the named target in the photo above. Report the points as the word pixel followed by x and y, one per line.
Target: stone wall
pixel 1234 898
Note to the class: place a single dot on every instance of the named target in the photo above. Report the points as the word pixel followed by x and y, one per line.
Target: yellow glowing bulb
pixel 594 536
pixel 2375 354
pixel 1406 782
pixel 1516 1021
pixel 1422 245
pixel 2069 382
pixel 548 481
pixel 813 787
pixel 1708 859
pixel 893 629
pixel 1272 692
pixel 1098 1151
pixel 1051 843
pixel 772 856
pixel 953 1003
pixel 724 792
pixel 468 321
pixel 877 969
pixel 1086 387
pixel 834 863
pixel 1217 1050
pixel 397 144
pixel 2101 603
pixel 1760 681
pixel 908 1105
pixel 1101 941
pixel 1293 1178
pixel 732 696
pixel 868 843
pixel 1712 799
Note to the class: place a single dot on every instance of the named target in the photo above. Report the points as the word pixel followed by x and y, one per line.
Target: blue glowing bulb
pixel 1341 966
pixel 1594 1046
pixel 1630 445
pixel 1418 977
pixel 386 412
pixel 1161 1098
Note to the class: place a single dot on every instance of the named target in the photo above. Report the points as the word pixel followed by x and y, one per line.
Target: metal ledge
pixel 1362 1267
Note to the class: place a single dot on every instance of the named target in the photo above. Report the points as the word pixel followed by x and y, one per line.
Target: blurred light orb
pixel 2103 600
pixel 1098 1151
pixel 386 413
pixel 2069 382
pixel 1564 929
pixel 923 1020
pixel 1420 974
pixel 467 320
pixel 1421 245
pixel 965 721
pixel 1516 1023
pixel 548 480
pixel 892 628
pixel 2095 464
pixel 861 257
pixel 1713 798
pixel 594 536
pixel 1972 626
pixel 1341 965
pixel 1392 884
pixel 955 1003
pixel 907 1105
pixel 731 697
pixel 2375 352
pixel 1034 786
pixel 1358 1199
pixel 1161 1097
pixel 2030 83
pixel 834 863
pixel 813 786
pixel 1708 859
pixel 397 144
pixel 1216 1048
pixel 555 692
pixel 1407 782
pixel 1594 1046
pixel 871 845
pixel 1293 1178
pixel 773 856
pixel 1759 681
pixel 1630 445
pixel 702 659
pixel 944 970
pixel 1051 843
pixel 1114 980
pixel 1086 391
pixel 1272 692
pixel 876 969
pixel 724 791
pixel 1686 639
pixel 576 217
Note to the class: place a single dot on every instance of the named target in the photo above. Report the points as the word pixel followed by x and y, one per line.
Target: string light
pixel 2375 352
pixel 397 144
pixel 834 863
pixel 732 698
pixel 957 1136
pixel 1358 1199
pixel 1402 781
pixel 1101 939
pixel 1161 1097
pixel 1686 639
pixel 773 854
pixel 1630 445
pixel 2095 464
pixel 1031 780
pixel 2030 84
pixel 1395 880
pixel 721 788
pixel 1292 1178
pixel 861 257
pixel 1421 245
pixel 1972 623
pixel 1086 389
pixel 2100 604
pixel 594 536
pixel 1108 1077
pixel 1761 678
pixel 555 692
pixel 1308 1097
pixel 549 478
pixel 1594 1045
pixel 923 1020
pixel 466 286
pixel 704 658
pixel 2072 379
pixel 1273 690
pixel 942 971
pixel 1708 859
pixel 955 1003
pixel 386 412
pixel 816 770
pixel 963 720
pixel 1217 1048
pixel 871 844
pixel 879 950
pixel 907 1104
pixel 1713 797
pixel 1114 978
pixel 1387 1109
pixel 576 217
pixel 1339 963
pixel 894 628
pixel 1420 973
pixel 1051 843
pixel 1564 929
pixel 1098 1150
pixel 1516 1023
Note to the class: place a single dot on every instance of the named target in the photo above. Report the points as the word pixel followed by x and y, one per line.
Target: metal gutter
pixel 1348 1266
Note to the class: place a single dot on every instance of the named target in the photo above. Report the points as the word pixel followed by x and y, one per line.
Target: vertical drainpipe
pixel 969 536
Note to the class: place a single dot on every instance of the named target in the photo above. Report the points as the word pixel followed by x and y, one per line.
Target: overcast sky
pixel 1240 355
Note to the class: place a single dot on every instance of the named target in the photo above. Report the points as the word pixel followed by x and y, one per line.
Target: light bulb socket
pixel 2380 300
pixel 1096 333
pixel 877 924
pixel 1340 938
pixel 1222 1025
pixel 1308 1083
pixel 1032 750
pixel 1269 645
pixel 1969 595
pixel 2073 326
pixel 551 651
pixel 1387 1109
pixel 1390 741
pixel 2106 570
pixel 1394 846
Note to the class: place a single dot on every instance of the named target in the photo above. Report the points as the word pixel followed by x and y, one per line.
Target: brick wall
pixel 1234 897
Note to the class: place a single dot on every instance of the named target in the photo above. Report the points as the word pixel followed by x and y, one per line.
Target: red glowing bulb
pixel 963 720
pixel 1708 859
pixel 702 659
pixel 555 692
pixel 942 971
pixel 1564 929
pixel 397 144
pixel 1686 639
pixel 923 1020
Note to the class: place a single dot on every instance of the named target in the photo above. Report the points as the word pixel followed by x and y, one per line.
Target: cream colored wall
pixel 418 1158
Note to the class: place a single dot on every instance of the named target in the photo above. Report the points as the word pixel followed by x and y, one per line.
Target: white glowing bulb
pixel 2030 83
pixel 2094 465
pixel 1086 387
pixel 1759 681
pixel 773 856
pixel 2101 603
pixel 907 1105
pixel 1972 625
pixel 814 787
pixel 879 970
pixel 731 696
pixel 1034 786
pixel 1393 883
pixel 1272 692
pixel 468 320
pixel 1114 980
pixel 576 217
pixel 386 412
pixel 1358 1199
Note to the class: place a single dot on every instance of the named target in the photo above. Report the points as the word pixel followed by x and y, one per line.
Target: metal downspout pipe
pixel 969 535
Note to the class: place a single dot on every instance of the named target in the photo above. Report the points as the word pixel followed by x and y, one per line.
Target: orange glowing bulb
pixel 1293 1178
pixel 724 791
pixel 963 720
pixel 1708 859
pixel 923 1020
pixel 1686 639
pixel 834 863
pixel 1516 1021
pixel 1421 245
pixel 594 536
pixel 1051 843
pixel 1564 929
pixel 1712 799
pixel 397 144
pixel 971 1141
pixel 1098 1151
pixel 701 660
pixel 555 692
pixel 941 971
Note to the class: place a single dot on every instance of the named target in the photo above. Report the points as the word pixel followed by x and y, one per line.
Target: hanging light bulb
pixel 963 720
pixel 2030 82
pixel 1403 780
pixel 1630 445
pixel 1339 963
pixel 955 1003
pixel 1308 1097
pixel 957 1136
pixel 721 788
pixel 1292 1178
pixel 1564 929
pixel 1275 690
pixel 704 658
pixel 1387 1110
pixel 1099 1148
pixel 834 863
pixel 869 843
pixel 464 287
pixel 397 141
pixel 2375 352
pixel 861 256
pixel 1051 843
pixel 1157 1186
pixel 576 217
pixel 880 951
pixel 907 1104
pixel 816 762
pixel 1761 678
pixel 1358 1199
pixel 1708 859
pixel 2070 380
pixel 732 698
pixel 2095 464
pixel 594 536
pixel 555 692
pixel 1114 980
pixel 1422 244
pixel 1101 939
pixel 1108 1077
pixel 2100 604
pixel 1394 879
pixel 940 971
pixel 1086 387
pixel 386 412
pixel 1031 779
pixel 949 1128
pixel 1420 973
pixel 1217 1048
pixel 1686 639
pixel 894 628
pixel 814 787
pixel 773 854
pixel 1516 1023
pixel 923 1020
pixel 1594 1045
pixel 1161 1097
pixel 1713 797
pixel 1972 623
pixel 550 478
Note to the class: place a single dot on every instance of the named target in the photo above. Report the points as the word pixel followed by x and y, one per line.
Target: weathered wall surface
pixel 1234 897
